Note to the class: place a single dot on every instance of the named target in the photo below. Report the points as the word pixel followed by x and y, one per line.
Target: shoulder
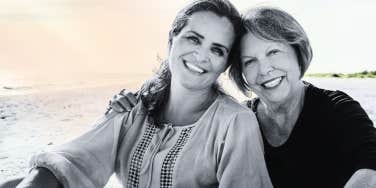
pixel 330 99
pixel 235 115
pixel 337 103
pixel 239 124
pixel 228 106
pixel 126 117
pixel 338 99
pixel 228 121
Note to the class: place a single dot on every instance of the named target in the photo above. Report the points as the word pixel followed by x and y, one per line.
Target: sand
pixel 31 122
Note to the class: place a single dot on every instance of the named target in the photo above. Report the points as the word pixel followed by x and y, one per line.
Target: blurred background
pixel 80 40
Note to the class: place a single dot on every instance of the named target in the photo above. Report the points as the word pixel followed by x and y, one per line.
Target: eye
pixel 218 51
pixel 248 62
pixel 273 52
pixel 193 39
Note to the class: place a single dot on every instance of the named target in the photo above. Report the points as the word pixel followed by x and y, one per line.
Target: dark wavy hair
pixel 154 92
pixel 276 25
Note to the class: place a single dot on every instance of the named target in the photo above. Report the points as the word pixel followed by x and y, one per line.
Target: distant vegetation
pixel 364 74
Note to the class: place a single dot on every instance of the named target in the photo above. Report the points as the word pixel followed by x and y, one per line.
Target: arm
pixel 242 161
pixel 87 161
pixel 362 178
pixel 358 141
pixel 39 177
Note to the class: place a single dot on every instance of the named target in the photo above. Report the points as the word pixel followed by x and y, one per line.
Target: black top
pixel 333 137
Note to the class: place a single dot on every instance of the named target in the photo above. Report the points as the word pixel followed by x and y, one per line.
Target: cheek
pixel 288 62
pixel 297 70
pixel 173 65
pixel 293 71
pixel 250 75
pixel 219 64
pixel 178 46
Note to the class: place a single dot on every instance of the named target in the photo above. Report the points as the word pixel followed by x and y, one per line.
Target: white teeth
pixel 272 83
pixel 194 68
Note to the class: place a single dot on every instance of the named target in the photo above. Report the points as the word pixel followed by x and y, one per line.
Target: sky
pixel 60 37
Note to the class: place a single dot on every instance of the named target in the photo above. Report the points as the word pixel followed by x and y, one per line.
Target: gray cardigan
pixel 222 149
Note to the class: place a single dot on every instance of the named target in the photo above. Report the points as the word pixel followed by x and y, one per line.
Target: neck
pixel 186 106
pixel 278 120
pixel 289 106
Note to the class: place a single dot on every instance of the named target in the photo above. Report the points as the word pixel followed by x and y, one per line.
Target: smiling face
pixel 270 68
pixel 199 53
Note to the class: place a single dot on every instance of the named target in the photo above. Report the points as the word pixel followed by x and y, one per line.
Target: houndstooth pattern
pixel 138 155
pixel 169 161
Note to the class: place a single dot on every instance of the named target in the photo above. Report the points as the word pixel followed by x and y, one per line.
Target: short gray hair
pixel 273 24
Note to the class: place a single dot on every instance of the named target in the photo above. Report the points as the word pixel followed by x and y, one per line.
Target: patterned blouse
pixel 222 149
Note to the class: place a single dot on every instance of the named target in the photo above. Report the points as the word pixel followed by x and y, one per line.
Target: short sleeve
pixel 89 160
pixel 359 134
pixel 242 162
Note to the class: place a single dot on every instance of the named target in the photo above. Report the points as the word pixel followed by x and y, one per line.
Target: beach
pixel 35 120
pixel 30 123
pixel 34 117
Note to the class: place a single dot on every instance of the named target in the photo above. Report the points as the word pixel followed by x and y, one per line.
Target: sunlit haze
pixel 57 38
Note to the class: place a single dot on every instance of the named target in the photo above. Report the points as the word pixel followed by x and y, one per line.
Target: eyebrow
pixel 275 45
pixel 249 57
pixel 215 44
pixel 198 34
pixel 220 45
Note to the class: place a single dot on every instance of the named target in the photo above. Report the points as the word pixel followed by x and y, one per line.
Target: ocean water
pixel 23 84
pixel 362 90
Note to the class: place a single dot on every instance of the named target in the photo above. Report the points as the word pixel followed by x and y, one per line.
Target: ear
pixel 169 45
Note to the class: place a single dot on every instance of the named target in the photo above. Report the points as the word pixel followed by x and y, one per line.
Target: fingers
pixel 120 103
pixel 108 110
pixel 129 96
pixel 124 102
pixel 114 105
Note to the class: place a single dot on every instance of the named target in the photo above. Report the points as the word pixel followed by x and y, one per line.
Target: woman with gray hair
pixel 312 137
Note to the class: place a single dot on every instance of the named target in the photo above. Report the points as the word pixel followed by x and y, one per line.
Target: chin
pixel 277 97
pixel 282 98
pixel 193 86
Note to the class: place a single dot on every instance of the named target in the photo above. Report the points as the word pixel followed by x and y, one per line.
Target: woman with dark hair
pixel 183 132
pixel 312 137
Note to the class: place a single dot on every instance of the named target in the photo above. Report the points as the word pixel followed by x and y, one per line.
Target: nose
pixel 265 67
pixel 201 55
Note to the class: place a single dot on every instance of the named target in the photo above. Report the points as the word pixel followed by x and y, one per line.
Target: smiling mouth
pixel 272 83
pixel 194 68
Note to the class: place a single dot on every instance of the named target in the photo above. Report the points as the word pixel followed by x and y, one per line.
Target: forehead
pixel 211 26
pixel 250 43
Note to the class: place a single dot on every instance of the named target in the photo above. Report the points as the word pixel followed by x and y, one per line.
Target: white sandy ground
pixel 33 121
